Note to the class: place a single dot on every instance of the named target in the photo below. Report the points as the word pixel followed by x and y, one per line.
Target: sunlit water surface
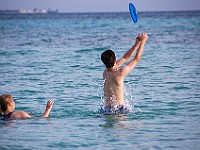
pixel 58 56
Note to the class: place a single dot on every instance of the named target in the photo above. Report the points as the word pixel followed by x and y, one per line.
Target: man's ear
pixel 114 59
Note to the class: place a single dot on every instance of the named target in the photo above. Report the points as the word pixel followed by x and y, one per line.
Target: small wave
pixel 47 40
pixel 181 88
pixel 92 49
pixel 26 44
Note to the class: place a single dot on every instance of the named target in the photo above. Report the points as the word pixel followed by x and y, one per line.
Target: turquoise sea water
pixel 58 56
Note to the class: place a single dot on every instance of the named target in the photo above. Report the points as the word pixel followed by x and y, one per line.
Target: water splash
pixel 128 98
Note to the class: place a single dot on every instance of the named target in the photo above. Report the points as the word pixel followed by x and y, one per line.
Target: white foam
pixel 128 98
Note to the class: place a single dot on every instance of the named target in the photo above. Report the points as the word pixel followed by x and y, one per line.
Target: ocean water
pixel 58 56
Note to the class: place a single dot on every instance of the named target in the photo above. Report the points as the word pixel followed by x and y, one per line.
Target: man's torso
pixel 113 88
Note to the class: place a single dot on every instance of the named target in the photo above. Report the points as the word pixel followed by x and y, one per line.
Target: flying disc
pixel 133 12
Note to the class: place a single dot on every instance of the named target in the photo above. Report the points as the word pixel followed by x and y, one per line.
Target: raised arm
pixel 48 109
pixel 129 53
pixel 23 114
pixel 126 69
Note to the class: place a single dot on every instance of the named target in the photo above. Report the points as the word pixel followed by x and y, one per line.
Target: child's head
pixel 108 58
pixel 6 102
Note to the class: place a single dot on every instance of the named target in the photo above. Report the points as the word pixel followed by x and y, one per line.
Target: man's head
pixel 108 58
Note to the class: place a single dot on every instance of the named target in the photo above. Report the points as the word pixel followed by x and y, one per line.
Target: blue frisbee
pixel 133 12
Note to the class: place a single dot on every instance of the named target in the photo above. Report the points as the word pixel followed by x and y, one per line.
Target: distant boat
pixel 34 11
pixel 52 11
pixel 6 11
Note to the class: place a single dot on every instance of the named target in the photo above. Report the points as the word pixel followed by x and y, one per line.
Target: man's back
pixel 113 88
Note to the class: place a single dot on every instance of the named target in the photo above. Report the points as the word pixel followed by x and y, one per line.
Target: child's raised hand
pixel 49 104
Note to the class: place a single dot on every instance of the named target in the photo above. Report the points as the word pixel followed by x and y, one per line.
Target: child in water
pixel 7 107
pixel 114 76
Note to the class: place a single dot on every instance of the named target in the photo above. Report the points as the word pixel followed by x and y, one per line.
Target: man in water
pixel 114 76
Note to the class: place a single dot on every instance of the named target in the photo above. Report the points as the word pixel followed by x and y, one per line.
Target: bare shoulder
pixel 124 70
pixel 21 114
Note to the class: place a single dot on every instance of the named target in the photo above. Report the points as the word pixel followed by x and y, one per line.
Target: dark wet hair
pixel 5 99
pixel 108 58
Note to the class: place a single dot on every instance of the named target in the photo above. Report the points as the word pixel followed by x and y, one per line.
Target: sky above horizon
pixel 101 5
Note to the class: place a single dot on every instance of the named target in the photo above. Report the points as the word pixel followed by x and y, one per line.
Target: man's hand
pixel 144 37
pixel 138 39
